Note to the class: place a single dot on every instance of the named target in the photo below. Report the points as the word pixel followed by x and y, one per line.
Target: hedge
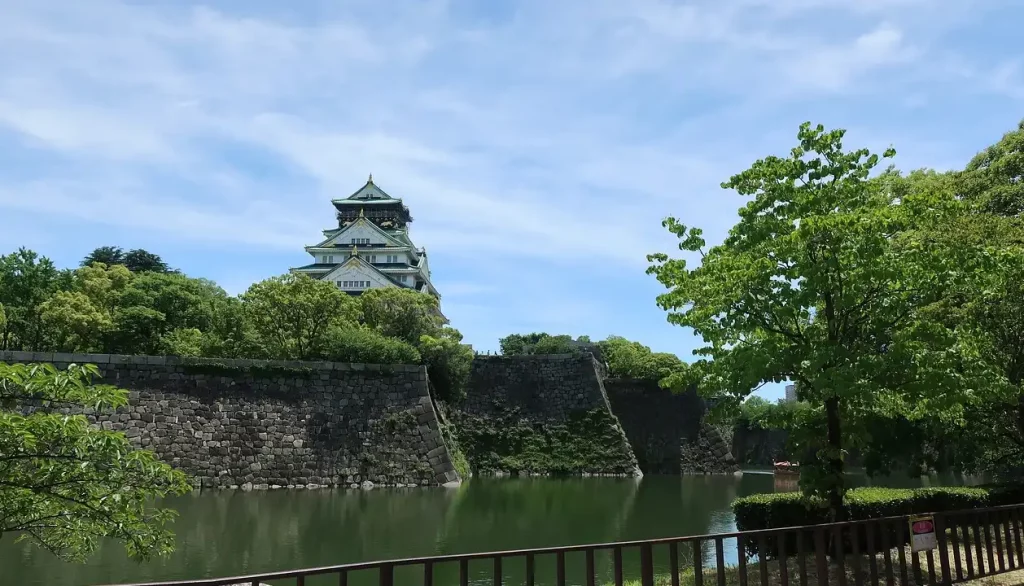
pixel 771 511
pixel 362 345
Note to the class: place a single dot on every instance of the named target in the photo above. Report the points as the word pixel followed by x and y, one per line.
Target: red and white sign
pixel 922 533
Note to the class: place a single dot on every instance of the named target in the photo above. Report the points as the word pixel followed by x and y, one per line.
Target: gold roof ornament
pixel 355 251
pixel 370 180
pixel 361 215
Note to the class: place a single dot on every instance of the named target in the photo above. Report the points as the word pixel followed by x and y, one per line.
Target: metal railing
pixel 971 544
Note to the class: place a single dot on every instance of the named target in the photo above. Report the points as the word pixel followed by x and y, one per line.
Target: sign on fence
pixel 922 533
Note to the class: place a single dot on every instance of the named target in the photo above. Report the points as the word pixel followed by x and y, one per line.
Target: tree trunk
pixel 835 460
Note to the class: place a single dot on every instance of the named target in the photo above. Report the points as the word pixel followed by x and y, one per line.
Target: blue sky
pixel 539 144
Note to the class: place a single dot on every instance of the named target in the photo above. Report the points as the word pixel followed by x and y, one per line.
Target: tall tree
pixel 291 316
pixel 74 323
pixel 143 261
pixel 108 255
pixel 822 281
pixel 155 304
pixel 519 344
pixel 26 280
pixel 400 313
pixel 65 484
pixel 994 178
pixel 634 360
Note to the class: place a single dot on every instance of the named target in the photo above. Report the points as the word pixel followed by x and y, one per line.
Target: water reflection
pixel 224 533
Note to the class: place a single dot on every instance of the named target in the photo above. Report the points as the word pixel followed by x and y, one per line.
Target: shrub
pixel 634 360
pixel 369 347
pixel 793 509
pixel 449 362
pixel 769 511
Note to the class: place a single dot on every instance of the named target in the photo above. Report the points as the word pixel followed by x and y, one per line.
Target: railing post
pixel 940 534
pixel 646 565
pixel 387 575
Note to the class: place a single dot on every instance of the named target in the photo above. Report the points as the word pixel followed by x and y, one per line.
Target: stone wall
pixel 667 430
pixel 240 423
pixel 541 414
pixel 544 387
pixel 757 447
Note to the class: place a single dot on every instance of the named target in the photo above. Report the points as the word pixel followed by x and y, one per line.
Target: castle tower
pixel 370 247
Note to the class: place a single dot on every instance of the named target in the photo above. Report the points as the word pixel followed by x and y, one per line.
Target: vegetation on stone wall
pixel 259 371
pixel 586 442
pixel 541 343
pixel 109 308
pixel 629 359
pixel 625 358
pixel 451 439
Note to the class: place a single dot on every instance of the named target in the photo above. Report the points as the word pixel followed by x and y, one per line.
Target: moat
pixel 221 533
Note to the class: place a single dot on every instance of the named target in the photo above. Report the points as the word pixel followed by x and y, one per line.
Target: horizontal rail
pixel 831 536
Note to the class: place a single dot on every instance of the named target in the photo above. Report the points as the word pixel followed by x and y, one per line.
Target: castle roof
pixel 369 193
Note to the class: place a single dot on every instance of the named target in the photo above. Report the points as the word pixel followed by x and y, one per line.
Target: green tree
pixel 104 285
pixel 520 344
pixel 541 343
pixel 26 280
pixel 291 316
pixel 448 361
pixel 74 323
pixel 822 281
pixel 994 179
pixel 229 335
pixel 561 344
pixel 183 342
pixel 992 313
pixel 66 485
pixel 136 329
pixel 634 360
pixel 994 441
pixel 363 345
pixel 155 304
pixel 107 255
pixel 401 313
pixel 86 317
pixel 143 261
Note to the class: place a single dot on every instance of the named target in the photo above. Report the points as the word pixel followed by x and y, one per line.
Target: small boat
pixel 786 468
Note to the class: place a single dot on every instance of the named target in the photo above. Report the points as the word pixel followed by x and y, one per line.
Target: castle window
pixel 392 258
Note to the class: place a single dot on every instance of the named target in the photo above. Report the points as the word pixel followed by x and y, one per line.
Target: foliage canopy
pixel 823 281
pixel 64 485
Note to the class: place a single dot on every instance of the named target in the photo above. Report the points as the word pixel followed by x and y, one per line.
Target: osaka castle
pixel 370 247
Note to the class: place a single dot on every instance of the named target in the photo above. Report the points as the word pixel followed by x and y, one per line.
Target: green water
pixel 226 533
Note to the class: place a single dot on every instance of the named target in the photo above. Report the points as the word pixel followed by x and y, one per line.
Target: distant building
pixel 370 247
pixel 790 393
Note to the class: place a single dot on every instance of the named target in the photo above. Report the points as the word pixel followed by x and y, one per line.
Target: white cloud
pixel 551 132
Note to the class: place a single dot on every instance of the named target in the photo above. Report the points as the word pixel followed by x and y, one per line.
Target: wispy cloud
pixel 546 139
